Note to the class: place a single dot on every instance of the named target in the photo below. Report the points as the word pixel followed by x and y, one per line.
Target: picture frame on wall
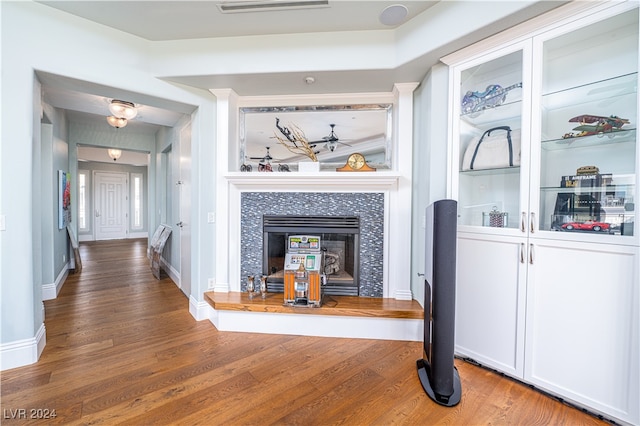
pixel 64 199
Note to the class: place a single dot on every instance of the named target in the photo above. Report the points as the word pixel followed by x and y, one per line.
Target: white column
pixel 226 99
pixel 398 238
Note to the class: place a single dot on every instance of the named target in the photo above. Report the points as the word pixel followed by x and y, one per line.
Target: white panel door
pixel 583 319
pixel 110 192
pixel 490 301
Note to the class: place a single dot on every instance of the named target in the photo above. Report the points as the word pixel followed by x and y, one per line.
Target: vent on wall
pixel 265 5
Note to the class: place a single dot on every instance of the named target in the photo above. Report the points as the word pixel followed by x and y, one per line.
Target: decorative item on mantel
pixel 356 163
pixel 296 141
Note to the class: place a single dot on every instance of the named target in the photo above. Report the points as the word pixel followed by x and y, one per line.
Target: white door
pixel 110 193
pixel 583 313
pixel 185 210
pixel 490 301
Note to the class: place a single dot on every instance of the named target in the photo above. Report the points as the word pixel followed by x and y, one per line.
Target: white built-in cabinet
pixel 548 284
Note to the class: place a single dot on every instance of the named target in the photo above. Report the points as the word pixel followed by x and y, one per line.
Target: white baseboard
pixel 219 287
pixel 89 237
pixel 199 310
pixel 23 352
pixel 403 295
pixel 170 270
pixel 317 325
pixel 50 290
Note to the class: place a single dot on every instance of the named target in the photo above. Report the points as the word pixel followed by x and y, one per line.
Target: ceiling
pixel 182 20
pixel 161 21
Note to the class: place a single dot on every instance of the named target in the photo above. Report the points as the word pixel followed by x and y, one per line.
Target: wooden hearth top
pixel 355 306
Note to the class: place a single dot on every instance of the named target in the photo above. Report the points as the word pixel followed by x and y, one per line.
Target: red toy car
pixel 586 226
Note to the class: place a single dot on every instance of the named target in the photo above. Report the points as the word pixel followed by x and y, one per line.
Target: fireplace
pixel 339 239
pixel 367 207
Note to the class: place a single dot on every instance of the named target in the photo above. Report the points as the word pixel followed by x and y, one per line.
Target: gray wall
pixel 53 156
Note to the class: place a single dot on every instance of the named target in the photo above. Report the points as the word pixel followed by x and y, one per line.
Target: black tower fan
pixel 436 371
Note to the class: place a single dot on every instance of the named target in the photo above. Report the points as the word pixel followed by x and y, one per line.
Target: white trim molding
pixel 171 272
pixel 318 325
pixel 51 290
pixel 138 235
pixel 23 352
pixel 199 310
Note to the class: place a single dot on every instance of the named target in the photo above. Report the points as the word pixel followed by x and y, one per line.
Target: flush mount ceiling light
pixel 114 153
pixel 393 15
pixel 116 122
pixel 123 109
pixel 234 6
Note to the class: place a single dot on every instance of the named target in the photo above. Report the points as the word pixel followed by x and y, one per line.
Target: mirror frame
pixel 376 148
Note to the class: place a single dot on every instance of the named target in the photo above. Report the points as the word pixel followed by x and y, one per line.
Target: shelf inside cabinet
pixel 506 114
pixel 603 182
pixel 624 135
pixel 607 89
pixel 589 190
pixel 486 172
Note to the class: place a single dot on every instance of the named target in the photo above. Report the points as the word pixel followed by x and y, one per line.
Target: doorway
pixel 110 205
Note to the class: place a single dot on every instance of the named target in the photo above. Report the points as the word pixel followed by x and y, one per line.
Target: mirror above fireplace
pixel 334 131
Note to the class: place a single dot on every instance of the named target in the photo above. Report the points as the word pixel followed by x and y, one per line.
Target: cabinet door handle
pixel 522 222
pixel 531 254
pixel 521 252
pixel 532 223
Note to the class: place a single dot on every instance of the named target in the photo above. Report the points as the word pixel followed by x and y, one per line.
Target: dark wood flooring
pixel 122 348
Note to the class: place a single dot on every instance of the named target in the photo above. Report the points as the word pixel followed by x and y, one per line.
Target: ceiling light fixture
pixel 123 109
pixel 116 122
pixel 394 15
pixel 114 153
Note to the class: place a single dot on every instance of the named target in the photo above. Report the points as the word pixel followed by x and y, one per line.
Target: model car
pixel 586 226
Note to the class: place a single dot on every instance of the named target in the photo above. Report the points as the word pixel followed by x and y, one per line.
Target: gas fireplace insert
pixel 340 236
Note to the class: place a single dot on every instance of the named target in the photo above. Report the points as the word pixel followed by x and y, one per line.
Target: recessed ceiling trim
pixel 265 5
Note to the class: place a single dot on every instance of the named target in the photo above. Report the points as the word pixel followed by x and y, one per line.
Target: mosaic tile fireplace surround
pixel 369 206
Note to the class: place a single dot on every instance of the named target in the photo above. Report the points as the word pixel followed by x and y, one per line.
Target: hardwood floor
pixel 123 348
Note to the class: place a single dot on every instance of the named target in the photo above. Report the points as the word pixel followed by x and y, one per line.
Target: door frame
pixel 125 207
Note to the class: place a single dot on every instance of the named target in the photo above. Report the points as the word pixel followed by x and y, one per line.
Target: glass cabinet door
pixel 588 146
pixel 489 134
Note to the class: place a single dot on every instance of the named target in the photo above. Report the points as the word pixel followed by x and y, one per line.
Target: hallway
pixel 123 348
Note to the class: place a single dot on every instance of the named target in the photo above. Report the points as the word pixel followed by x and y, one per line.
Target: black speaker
pixel 438 375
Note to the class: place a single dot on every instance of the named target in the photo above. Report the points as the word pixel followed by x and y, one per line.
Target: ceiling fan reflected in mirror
pixel 331 141
pixel 264 163
pixel 264 159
